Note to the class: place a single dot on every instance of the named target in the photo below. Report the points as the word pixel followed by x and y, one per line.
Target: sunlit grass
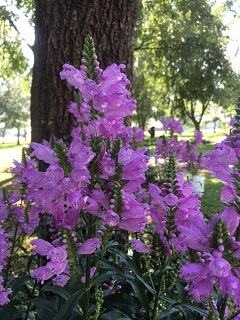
pixel 210 201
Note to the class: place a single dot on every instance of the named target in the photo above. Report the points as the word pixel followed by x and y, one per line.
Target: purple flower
pixel 61 280
pixel 172 125
pixel 89 246
pixel 193 272
pixel 92 207
pixel 58 254
pixel 228 193
pixel 111 218
pixel 42 247
pixel 4 297
pixel 229 285
pixel 196 235
pixel 41 274
pixel 171 200
pixel 73 76
pixel 219 267
pixel 56 267
pixel 42 152
pixel 201 290
pixel 139 246
pixel 54 173
pixel 92 272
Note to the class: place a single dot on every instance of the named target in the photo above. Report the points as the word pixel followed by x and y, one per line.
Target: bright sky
pixel 233 50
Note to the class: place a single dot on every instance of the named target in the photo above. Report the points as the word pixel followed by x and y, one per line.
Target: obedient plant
pixel 212 268
pixel 183 150
pixel 86 238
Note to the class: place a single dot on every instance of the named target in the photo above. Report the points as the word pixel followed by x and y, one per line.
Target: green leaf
pixel 192 308
pixel 139 290
pixel 167 313
pixel 10 314
pixel 43 304
pixel 112 266
pixel 112 315
pixel 104 276
pixel 175 304
pixel 59 291
pixel 19 283
pixel 69 306
pixel 129 263
pixel 127 305
pixel 131 266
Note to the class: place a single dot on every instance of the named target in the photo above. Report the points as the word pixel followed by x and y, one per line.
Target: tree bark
pixel 60 29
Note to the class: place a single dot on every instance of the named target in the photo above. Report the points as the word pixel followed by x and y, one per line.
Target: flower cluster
pixel 213 246
pixel 172 206
pixel 183 150
pixel 4 246
pixel 89 188
pixel 92 192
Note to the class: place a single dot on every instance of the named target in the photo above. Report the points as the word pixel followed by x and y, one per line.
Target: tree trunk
pixel 60 29
pixel 18 136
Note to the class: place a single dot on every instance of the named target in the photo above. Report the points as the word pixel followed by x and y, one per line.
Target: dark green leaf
pixel 104 276
pixel 127 305
pixel 69 306
pixel 139 290
pixel 10 314
pixel 46 306
pixel 111 266
pixel 19 283
pixel 129 263
pixel 167 313
pixel 59 291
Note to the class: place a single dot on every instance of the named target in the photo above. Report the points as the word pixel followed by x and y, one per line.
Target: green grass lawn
pixel 210 201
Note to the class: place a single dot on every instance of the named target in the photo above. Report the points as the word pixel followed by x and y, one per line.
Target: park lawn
pixel 210 200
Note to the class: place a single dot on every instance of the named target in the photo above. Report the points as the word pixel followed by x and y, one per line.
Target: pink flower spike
pixel 139 246
pixel 89 246
pixel 42 247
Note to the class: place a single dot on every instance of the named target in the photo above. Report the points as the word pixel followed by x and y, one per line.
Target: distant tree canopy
pixel 180 53
pixel 13 62
pixel 14 109
pixel 180 66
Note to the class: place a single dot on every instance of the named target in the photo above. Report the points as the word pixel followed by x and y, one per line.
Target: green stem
pixel 233 315
pixel 29 303
pixel 11 254
pixel 223 307
pixel 88 267
pixel 159 287
pixel 87 287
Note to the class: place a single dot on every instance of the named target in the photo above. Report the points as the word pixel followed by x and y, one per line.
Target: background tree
pixel 13 62
pixel 184 46
pixel 14 109
pixel 60 29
